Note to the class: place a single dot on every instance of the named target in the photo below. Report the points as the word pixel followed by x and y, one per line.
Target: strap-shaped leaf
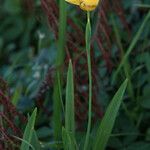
pixel 108 120
pixel 69 108
pixel 68 133
pixel 29 130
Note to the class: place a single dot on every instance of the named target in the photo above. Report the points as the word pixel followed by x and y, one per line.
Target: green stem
pixel 88 38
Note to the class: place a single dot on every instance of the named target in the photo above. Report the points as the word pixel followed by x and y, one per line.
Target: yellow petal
pixel 75 2
pixel 88 5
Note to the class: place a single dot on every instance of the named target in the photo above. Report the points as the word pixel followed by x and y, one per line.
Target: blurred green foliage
pixel 28 49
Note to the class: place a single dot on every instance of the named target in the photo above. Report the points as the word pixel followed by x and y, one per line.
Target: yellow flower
pixel 87 5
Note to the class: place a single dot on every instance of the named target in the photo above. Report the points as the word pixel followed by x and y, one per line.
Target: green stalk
pixel 57 97
pixel 88 38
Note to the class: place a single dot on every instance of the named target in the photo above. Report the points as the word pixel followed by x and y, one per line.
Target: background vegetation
pixel 28 52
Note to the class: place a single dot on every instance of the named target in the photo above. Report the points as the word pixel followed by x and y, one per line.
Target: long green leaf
pixel 57 108
pixel 108 120
pixel 126 65
pixel 67 142
pixel 29 130
pixel 35 142
pixel 68 133
pixel 69 107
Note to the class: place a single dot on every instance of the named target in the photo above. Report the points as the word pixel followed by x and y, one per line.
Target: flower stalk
pixel 88 51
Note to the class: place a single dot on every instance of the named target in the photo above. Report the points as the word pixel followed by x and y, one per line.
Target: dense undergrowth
pixel 31 63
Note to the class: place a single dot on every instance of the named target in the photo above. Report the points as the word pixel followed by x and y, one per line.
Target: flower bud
pixel 87 5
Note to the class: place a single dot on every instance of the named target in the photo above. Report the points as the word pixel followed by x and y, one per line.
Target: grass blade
pixel 132 45
pixel 67 141
pixel 108 121
pixel 35 142
pixel 126 65
pixel 68 133
pixel 57 118
pixel 29 130
pixel 69 107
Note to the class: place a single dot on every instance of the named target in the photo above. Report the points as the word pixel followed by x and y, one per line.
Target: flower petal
pixel 75 2
pixel 88 5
